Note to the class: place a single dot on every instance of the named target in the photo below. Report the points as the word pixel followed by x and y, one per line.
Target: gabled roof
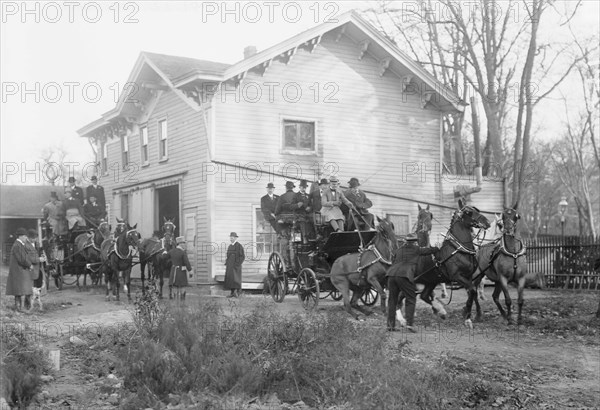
pixel 24 201
pixel 178 72
pixel 175 67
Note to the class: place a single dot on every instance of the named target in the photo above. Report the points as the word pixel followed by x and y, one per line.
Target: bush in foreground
pixel 323 360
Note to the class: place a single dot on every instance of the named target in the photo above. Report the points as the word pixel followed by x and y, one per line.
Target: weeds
pixel 323 360
pixel 22 365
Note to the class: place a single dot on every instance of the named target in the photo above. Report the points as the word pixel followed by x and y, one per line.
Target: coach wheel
pixel 308 289
pixel 336 295
pixel 277 279
pixel 369 297
pixel 324 295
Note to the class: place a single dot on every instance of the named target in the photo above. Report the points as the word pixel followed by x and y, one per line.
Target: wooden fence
pixel 565 262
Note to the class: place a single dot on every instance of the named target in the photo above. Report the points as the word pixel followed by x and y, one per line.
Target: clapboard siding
pixel 370 133
pixel 187 150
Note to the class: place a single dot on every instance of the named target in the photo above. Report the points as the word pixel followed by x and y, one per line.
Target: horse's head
pixel 385 229
pixel 510 217
pixel 471 216
pixel 121 227
pixel 132 237
pixel 104 228
pixel 424 220
pixel 169 229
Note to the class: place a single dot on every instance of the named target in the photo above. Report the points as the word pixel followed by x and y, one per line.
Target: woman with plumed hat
pixel 180 262
pixel 19 281
pixel 233 266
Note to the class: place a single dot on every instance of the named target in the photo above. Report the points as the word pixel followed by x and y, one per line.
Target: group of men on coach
pixel 78 209
pixel 327 203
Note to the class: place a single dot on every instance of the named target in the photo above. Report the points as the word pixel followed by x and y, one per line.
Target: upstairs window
pixel 162 140
pixel 144 144
pixel 298 135
pixel 104 162
pixel 125 150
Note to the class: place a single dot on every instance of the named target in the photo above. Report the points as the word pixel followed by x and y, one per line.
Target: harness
pixel 116 251
pixel 379 258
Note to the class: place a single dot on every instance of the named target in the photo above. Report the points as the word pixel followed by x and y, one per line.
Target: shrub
pixel 23 363
pixel 323 360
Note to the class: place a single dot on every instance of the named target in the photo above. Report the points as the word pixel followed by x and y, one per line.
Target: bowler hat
pixel 180 239
pixel 412 237
pixel 21 232
pixel 289 185
pixel 334 179
pixel 353 182
pixel 53 194
pixel 324 181
pixel 94 178
pixel 270 185
pixel 233 234
pixel 32 233
pixel 71 179
pixel 304 183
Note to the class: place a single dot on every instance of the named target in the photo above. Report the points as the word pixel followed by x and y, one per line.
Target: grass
pixel 323 360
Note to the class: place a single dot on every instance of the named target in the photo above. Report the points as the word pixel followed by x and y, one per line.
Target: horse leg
pixel 108 280
pixel 142 272
pixel 374 282
pixel 354 302
pixel 116 285
pixel 496 298
pixel 345 291
pixel 127 280
pixel 444 291
pixel 521 287
pixel 507 300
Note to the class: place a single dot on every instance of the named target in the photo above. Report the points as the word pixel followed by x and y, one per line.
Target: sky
pixel 62 64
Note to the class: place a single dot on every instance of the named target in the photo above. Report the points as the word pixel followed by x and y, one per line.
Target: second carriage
pixel 305 263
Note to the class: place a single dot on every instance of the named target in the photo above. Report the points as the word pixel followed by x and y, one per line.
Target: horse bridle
pixel 379 257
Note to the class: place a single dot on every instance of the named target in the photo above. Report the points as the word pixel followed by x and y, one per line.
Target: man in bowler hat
pixel 97 191
pixel 233 266
pixel 267 206
pixel 76 192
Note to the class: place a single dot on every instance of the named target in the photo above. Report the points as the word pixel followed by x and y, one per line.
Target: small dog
pixel 37 295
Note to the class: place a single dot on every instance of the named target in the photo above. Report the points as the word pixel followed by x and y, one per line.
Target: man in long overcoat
pixel 362 204
pixel 19 282
pixel 401 276
pixel 76 191
pixel 233 266
pixel 96 191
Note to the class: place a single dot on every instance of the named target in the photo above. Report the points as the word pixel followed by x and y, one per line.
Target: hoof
pixel 444 295
pixel 443 317
pixel 469 324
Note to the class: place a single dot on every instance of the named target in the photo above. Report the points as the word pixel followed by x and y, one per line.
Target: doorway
pixel 168 206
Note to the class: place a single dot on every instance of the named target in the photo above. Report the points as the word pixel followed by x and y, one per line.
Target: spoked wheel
pixel 324 295
pixel 369 298
pixel 308 289
pixel 336 295
pixel 277 279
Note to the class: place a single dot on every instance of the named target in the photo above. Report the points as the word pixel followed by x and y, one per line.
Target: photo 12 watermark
pixel 53 12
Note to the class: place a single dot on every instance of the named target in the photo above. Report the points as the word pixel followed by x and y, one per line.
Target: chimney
pixel 249 51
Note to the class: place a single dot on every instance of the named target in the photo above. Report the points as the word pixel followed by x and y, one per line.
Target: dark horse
pixel 87 246
pixel 503 261
pixel 346 271
pixel 154 253
pixel 456 259
pixel 117 256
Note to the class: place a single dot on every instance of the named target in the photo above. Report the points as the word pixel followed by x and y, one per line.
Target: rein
pixel 379 258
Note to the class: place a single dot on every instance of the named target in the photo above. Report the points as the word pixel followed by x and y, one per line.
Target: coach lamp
pixel 562 207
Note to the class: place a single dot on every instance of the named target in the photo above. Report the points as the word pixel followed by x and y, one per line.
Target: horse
pixel 347 271
pixel 154 252
pixel 87 246
pixel 117 257
pixel 455 262
pixel 504 261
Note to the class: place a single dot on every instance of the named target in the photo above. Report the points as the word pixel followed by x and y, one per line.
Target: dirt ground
pixel 546 367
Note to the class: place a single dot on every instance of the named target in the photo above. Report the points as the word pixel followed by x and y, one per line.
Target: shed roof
pixel 24 201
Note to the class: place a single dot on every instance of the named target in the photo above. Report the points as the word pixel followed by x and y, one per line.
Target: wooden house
pixel 200 140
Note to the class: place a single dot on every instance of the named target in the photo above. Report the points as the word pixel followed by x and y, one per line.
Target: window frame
pixel 144 145
pixel 163 156
pixel 298 151
pixel 125 151
pixel 104 158
pixel 408 221
pixel 256 254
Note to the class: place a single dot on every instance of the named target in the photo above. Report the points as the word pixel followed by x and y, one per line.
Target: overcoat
pixel 233 266
pixel 77 193
pixel 98 192
pixel 267 206
pixel 34 259
pixel 330 204
pixel 406 258
pixel 179 259
pixel 19 278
